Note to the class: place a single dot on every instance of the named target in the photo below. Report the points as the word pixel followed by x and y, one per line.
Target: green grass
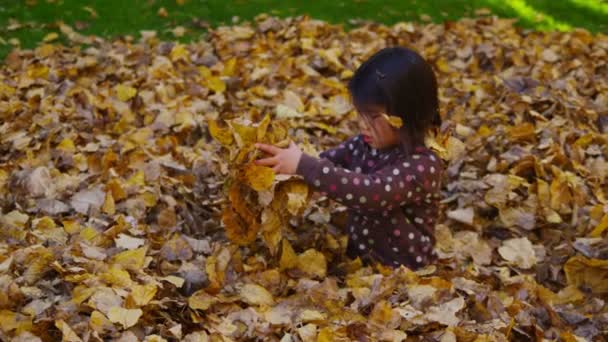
pixel 128 17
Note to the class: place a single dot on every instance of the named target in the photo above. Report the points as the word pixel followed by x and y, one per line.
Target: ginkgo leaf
pixel 142 294
pixel 394 121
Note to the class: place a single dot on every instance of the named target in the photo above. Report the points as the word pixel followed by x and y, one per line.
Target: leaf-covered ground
pixel 113 189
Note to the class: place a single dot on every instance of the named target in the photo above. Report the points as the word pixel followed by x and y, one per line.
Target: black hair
pixel 399 80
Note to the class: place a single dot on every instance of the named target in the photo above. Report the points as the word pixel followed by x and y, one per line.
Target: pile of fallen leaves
pixel 131 210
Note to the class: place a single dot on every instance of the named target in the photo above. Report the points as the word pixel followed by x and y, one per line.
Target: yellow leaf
pixel 312 315
pixel 569 294
pixel 289 259
pixel 245 135
pixel 229 67
pixel 394 121
pixel 44 223
pixel 312 263
pixel 382 313
pixel 201 300
pixel 50 37
pixel 6 90
pixel 68 334
pixel 38 71
pixel 82 293
pixel 8 320
pixel 254 294
pixel 297 196
pixel 326 335
pixel 66 145
pixel 185 120
pixel 37 265
pixel 99 323
pixel 592 273
pixel 216 84
pixel 271 229
pixel 132 260
pixel 442 65
pixel 142 294
pixel 259 177
pixel 125 93
pixel 108 204
pixel 600 228
pixel 177 281
pixel 204 71
pixel 138 178
pixel 179 52
pixel 263 127
pixel 221 135
pixel 117 276
pixel 116 189
pixel 126 317
pixel 89 233
pixel 150 199
pixel 236 228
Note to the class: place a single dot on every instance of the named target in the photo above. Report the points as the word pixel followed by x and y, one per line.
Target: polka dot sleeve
pixel 342 154
pixel 406 181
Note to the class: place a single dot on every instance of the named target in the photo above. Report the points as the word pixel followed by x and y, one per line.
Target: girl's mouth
pixel 367 139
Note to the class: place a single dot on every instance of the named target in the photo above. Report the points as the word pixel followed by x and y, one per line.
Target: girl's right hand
pixel 283 160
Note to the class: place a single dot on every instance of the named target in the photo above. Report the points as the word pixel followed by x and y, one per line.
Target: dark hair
pixel 403 83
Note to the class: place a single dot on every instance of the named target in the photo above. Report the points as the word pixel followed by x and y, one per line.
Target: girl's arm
pixel 342 154
pixel 411 180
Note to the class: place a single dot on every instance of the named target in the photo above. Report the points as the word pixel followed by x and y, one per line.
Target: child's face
pixel 376 130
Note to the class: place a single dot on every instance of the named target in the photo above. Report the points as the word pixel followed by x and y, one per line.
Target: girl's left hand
pixel 283 160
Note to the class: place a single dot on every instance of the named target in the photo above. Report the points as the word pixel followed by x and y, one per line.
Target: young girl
pixel 386 176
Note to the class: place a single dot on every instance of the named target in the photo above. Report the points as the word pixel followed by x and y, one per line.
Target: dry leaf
pixel 125 317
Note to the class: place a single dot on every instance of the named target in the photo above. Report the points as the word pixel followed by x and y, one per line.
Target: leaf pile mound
pixel 131 209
